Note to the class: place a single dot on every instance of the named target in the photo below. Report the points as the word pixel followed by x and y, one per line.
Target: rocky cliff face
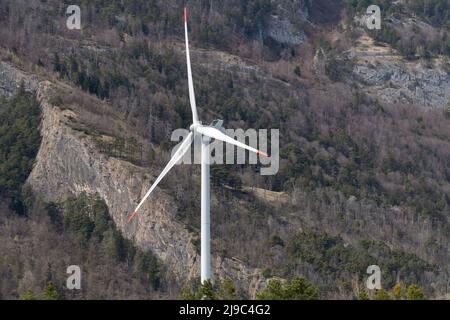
pixel 68 164
pixel 383 73
pixel 283 31
pixel 11 79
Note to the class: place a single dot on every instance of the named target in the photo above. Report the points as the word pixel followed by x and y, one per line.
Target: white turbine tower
pixel 206 133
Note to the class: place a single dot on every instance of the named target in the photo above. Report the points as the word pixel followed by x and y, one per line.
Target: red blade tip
pixel 263 153
pixel 185 14
pixel 132 215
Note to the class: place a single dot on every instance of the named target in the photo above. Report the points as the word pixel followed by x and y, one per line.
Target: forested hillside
pixel 367 180
pixel 412 40
pixel 19 144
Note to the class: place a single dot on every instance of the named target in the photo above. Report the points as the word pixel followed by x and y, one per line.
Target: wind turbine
pixel 206 133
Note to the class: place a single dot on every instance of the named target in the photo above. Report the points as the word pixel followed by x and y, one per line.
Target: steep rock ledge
pixel 11 79
pixel 68 164
pixel 383 73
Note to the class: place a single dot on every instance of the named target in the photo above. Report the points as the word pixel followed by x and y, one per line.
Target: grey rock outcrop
pixel 11 79
pixel 283 31
pixel 68 163
pixel 396 81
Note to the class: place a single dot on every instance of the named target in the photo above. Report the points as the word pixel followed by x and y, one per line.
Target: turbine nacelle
pixel 218 124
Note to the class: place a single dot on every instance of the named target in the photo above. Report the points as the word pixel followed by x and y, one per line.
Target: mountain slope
pixel 365 169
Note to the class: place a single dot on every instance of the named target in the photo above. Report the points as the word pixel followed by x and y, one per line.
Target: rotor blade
pixel 189 71
pixel 184 147
pixel 219 135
